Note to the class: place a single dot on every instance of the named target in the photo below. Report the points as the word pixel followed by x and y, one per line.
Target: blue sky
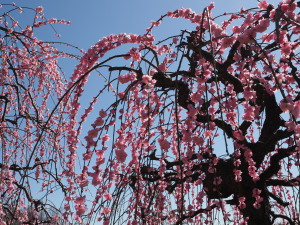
pixel 93 19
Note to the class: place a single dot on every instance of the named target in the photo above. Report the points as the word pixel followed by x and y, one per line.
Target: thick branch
pixel 275 163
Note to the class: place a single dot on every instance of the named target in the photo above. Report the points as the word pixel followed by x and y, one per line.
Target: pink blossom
pixel 121 94
pixel 249 112
pixel 237 175
pixel 256 205
pixel 263 4
pixel 39 9
pixel 236 30
pixel 105 137
pixel 237 163
pixel 28 28
pixel 80 200
pixel 256 194
pixel 147 79
pixel 67 206
pixel 175 40
pixel 208 134
pixel 248 153
pixel 108 196
pixel 102 113
pixel 217 181
pixel 97 179
pixel 262 26
pixel 253 173
pixel 88 155
pixel 163 67
pixel 69 198
pixel 121 155
pixel 80 209
pixel 238 134
pixel 164 144
pixel 249 93
pixel 106 210
pixel 93 133
pixel 286 48
pixel 155 23
pixel 286 106
pixel 127 78
pixel 296 109
pixel 99 122
pixel 285 7
pixel 135 54
pixel 242 204
pixel 228 41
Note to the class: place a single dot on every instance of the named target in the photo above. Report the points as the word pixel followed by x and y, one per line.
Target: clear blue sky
pixel 93 19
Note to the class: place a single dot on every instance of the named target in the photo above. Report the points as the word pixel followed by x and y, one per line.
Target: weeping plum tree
pixel 199 128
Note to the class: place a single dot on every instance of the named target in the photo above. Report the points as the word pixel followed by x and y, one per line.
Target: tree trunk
pixel 260 216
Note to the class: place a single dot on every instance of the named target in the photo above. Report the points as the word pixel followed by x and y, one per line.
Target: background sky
pixel 93 19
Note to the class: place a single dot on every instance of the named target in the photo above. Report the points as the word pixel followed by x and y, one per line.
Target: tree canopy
pixel 201 127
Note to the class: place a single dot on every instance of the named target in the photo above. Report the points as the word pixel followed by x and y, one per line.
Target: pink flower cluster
pixel 256 194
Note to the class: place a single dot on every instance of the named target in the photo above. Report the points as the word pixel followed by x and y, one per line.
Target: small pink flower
pixel 105 137
pixel 164 144
pixel 249 112
pixel 121 94
pixel 99 122
pixel 155 23
pixel 237 163
pixel 208 134
pixel 238 134
pixel 93 133
pixel 127 78
pixel 286 49
pixel 80 209
pixel 249 93
pixel 263 4
pixel 106 210
pixel 88 155
pixel 108 196
pixel 242 204
pixel 135 54
pixel 147 79
pixel 175 41
pixel 237 175
pixel 28 28
pixel 67 207
pixel 256 205
pixel 39 9
pixel 296 109
pixel 102 113
pixel 97 178
pixel 163 67
pixel 121 155
pixel 217 181
pixel 286 106
pixel 80 200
